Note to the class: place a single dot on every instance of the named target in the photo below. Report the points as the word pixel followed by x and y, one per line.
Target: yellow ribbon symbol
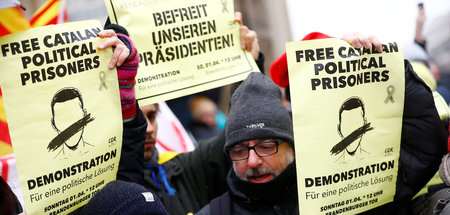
pixel 390 91
pixel 101 75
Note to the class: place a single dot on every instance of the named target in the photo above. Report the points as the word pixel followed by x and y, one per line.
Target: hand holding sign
pixel 249 38
pixel 121 51
pixel 357 40
pixel 344 122
pixel 185 47
pixel 53 78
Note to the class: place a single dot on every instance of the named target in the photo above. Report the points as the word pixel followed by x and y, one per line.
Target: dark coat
pixel 423 143
pixel 197 177
pixel 276 197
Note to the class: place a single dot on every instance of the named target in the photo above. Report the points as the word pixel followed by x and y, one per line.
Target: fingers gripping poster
pixel 184 46
pixel 63 110
pixel 347 108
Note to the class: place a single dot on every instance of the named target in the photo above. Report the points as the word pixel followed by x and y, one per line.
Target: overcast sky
pixel 389 20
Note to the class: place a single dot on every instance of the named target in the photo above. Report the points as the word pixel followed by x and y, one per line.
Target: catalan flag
pixel 52 12
pixel 5 140
pixel 12 20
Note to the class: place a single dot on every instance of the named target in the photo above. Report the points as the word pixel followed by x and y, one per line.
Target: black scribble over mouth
pixel 339 147
pixel 69 132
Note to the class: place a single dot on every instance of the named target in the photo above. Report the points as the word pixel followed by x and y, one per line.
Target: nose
pixel 253 159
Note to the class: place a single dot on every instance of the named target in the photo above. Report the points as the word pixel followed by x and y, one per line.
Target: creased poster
pixel 347 108
pixel 62 104
pixel 184 46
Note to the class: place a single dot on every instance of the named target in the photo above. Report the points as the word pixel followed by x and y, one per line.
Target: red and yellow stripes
pixel 52 12
pixel 5 141
pixel 12 20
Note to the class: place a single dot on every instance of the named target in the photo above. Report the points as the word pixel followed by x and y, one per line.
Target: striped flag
pixel 52 12
pixel 12 20
pixel 5 140
pixel 171 134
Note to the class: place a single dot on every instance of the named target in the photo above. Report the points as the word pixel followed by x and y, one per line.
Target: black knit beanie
pixel 120 197
pixel 257 112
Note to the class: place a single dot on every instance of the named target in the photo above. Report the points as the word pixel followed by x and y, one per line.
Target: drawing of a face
pixel 352 126
pixel 62 121
pixel 350 120
pixel 68 118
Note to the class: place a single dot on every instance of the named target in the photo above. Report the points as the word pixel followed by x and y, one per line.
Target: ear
pixel 339 130
pixel 53 124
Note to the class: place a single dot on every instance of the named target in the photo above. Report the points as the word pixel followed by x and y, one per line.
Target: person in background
pixel 413 53
pixel 203 125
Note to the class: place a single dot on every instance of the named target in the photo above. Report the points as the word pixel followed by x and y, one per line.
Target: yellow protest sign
pixel 184 46
pixel 347 109
pixel 62 104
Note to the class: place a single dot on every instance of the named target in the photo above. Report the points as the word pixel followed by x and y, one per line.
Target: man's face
pixel 350 121
pixel 65 114
pixel 208 116
pixel 150 112
pixel 257 169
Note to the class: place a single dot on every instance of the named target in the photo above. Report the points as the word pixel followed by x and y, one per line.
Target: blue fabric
pixel 162 173
pixel 162 176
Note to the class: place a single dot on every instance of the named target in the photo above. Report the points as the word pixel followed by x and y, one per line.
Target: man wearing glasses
pixel 260 142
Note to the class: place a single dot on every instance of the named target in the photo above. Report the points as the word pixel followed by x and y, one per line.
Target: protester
pixel 260 142
pixel 423 134
pixel 186 182
pixel 203 125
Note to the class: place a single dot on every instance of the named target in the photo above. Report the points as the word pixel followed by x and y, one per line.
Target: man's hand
pixel 249 38
pixel 121 51
pixel 357 40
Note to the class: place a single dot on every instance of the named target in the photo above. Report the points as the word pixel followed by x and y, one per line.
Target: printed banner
pixel 184 46
pixel 62 104
pixel 347 108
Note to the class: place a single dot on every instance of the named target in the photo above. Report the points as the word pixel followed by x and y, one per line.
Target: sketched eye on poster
pixel 184 47
pixel 63 110
pixel 347 107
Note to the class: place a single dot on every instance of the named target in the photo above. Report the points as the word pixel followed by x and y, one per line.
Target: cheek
pixel 155 125
pixel 275 162
pixel 280 161
pixel 239 167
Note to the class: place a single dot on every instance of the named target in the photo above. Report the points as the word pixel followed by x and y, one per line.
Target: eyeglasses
pixel 262 149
